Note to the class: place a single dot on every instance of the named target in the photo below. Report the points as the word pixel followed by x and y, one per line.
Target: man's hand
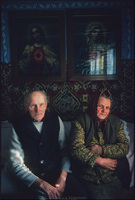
pixel 50 190
pixel 61 182
pixel 107 163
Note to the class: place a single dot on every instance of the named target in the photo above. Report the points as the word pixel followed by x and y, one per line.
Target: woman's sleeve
pixel 120 149
pixel 78 149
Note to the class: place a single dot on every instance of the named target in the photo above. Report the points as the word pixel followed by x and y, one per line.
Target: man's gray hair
pixel 26 96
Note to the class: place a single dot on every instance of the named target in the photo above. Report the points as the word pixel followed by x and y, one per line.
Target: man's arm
pixel 16 163
pixel 21 171
pixel 65 161
pixel 63 142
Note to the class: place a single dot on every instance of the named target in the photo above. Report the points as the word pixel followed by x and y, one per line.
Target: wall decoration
pixel 66 104
pixel 126 9
pixel 70 98
pixel 12 93
pixel 37 45
pixel 93 39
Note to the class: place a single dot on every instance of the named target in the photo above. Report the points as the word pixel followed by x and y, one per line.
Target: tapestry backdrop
pixel 68 99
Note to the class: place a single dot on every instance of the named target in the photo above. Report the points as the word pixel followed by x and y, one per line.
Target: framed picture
pixel 37 40
pixel 93 44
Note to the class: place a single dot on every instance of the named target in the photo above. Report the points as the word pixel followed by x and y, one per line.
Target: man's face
pixel 36 105
pixel 36 34
pixel 103 107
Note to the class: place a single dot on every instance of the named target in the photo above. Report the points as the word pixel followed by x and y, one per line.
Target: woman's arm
pixel 118 150
pixel 78 149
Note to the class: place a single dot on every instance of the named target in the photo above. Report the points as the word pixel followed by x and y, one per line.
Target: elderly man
pixel 38 154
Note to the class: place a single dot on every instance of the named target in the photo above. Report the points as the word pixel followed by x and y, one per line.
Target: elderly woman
pixel 97 145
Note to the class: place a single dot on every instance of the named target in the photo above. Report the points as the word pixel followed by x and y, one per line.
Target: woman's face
pixel 95 33
pixel 103 107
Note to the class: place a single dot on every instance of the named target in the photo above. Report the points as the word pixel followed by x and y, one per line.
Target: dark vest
pixel 41 150
pixel 113 125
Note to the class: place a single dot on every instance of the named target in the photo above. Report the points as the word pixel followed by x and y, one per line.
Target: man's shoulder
pixel 17 117
pixel 51 115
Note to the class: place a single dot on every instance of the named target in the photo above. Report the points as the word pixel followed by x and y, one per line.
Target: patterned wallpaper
pixel 68 99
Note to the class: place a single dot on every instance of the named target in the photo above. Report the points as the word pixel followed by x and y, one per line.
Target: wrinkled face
pixel 36 105
pixel 103 107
